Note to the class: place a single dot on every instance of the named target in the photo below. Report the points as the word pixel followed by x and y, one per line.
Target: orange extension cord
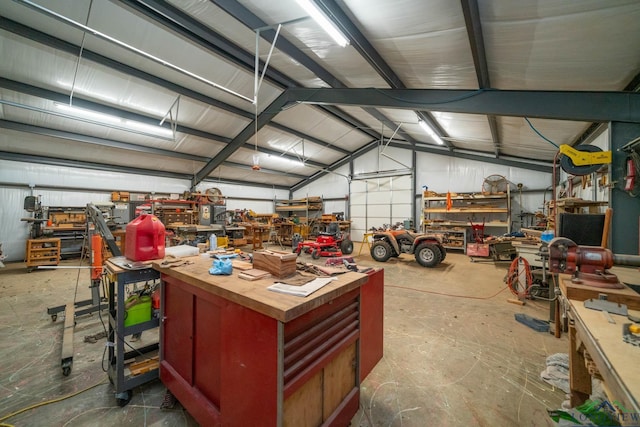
pixel 514 278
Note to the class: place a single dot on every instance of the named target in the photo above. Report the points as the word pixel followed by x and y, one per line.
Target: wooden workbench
pixel 616 360
pixel 235 353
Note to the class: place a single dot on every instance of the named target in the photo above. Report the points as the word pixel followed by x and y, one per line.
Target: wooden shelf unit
pixel 171 211
pixel 452 238
pixel 42 252
pixel 492 209
pixel 307 210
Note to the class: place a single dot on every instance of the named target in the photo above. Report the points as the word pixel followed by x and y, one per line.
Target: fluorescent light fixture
pixel 102 119
pixel 430 131
pixel 381 174
pixel 286 161
pixel 324 22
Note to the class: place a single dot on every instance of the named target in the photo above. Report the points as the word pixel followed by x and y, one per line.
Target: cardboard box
pixel 478 249
pixel 279 264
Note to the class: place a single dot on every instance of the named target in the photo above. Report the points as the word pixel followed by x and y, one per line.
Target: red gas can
pixel 145 238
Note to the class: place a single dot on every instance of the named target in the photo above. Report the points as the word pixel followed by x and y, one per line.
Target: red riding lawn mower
pixel 332 243
pixel 427 248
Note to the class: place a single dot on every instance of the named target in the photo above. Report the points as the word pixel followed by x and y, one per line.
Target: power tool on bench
pixel 630 334
pixel 588 264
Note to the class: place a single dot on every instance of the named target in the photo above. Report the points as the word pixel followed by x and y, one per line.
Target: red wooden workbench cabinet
pixel 234 354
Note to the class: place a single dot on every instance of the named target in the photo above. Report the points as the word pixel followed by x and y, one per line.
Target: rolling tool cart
pixel 130 317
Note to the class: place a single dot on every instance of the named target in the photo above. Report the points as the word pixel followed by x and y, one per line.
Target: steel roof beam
pixel 101 108
pixel 524 164
pixel 187 27
pixel 359 152
pixel 94 106
pixel 308 138
pixel 263 118
pixel 44 160
pixel 251 21
pixel 81 164
pixel 476 41
pixel 242 166
pixel 375 60
pixel 109 143
pixel 595 128
pixel 588 106
pixel 59 44
pixel 64 46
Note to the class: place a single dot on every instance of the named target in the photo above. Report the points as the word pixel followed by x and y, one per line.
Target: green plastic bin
pixel 138 310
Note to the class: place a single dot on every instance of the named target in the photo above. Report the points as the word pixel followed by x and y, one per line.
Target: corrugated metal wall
pixel 69 187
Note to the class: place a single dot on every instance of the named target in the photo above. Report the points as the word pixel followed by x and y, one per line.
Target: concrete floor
pixel 453 353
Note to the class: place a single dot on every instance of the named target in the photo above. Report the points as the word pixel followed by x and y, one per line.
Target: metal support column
pixel 626 209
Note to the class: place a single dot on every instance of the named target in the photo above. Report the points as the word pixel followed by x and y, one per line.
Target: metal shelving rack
pixel 119 280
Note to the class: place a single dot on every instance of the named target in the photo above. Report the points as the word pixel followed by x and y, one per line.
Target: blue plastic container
pixel 547 236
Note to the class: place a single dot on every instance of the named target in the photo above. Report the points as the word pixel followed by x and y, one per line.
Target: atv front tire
pixel 428 255
pixel 381 251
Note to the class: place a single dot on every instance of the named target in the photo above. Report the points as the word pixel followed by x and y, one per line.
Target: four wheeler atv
pixel 427 248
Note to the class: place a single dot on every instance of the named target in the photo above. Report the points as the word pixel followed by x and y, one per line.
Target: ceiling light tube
pixel 324 22
pixel 130 48
pixel 115 122
pixel 430 131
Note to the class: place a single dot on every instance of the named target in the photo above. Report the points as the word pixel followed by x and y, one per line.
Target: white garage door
pixel 379 201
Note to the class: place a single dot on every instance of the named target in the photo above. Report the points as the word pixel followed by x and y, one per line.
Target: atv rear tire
pixel 346 246
pixel 428 255
pixel 443 251
pixel 381 251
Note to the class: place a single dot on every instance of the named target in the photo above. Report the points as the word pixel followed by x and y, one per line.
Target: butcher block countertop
pixel 254 294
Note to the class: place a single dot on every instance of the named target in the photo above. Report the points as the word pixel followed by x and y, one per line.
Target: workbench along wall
pixel 75 187
pixel 388 198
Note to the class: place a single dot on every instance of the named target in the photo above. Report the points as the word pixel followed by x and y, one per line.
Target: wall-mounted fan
pixel 495 184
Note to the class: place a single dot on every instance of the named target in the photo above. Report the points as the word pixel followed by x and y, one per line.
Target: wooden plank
pixel 138 368
pixel 466 210
pixel 69 326
pixel 577 292
pixel 469 197
pixel 241 265
pixel 304 407
pixel 254 274
pixel 339 379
